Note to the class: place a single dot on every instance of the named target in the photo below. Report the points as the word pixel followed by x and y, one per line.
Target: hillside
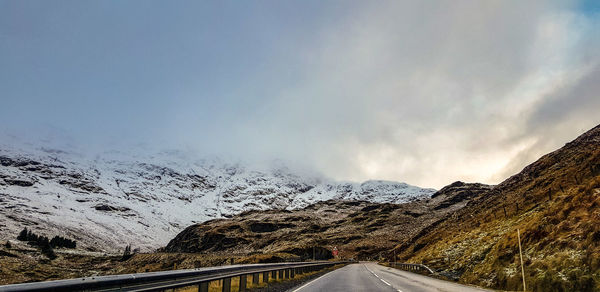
pixel 112 199
pixel 555 202
pixel 359 229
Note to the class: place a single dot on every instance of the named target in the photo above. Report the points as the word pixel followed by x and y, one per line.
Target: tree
pixel 23 235
pixel 48 251
pixel 59 241
pixel 32 236
pixel 54 242
pixel 127 253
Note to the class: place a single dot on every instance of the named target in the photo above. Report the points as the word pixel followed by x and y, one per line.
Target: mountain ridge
pixel 359 229
pixel 109 200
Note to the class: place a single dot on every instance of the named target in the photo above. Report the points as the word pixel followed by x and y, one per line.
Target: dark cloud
pixel 581 99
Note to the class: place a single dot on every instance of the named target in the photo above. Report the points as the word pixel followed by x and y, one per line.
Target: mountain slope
pixel 555 202
pixel 109 200
pixel 359 229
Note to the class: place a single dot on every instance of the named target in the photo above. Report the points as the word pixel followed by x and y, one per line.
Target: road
pixel 374 277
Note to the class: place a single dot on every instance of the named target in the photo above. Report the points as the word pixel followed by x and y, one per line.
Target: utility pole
pixel 521 255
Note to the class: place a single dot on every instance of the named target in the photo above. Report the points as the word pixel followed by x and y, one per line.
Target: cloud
pixel 433 92
pixel 426 92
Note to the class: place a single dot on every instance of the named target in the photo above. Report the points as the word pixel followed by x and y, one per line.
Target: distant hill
pixel 555 202
pixel 112 199
pixel 359 229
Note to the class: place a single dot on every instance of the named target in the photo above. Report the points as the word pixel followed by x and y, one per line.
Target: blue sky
pixel 423 92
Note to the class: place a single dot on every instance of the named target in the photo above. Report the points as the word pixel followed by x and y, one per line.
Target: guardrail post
pixel 167 282
pixel 243 280
pixel 203 287
pixel 226 285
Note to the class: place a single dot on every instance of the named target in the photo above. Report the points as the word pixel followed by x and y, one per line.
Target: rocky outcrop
pixel 108 208
pixel 18 182
pixel 458 192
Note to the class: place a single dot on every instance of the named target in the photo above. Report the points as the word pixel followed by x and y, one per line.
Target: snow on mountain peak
pixel 114 198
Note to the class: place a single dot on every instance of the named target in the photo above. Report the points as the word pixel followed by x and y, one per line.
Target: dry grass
pixel 23 264
pixel 217 286
pixel 558 214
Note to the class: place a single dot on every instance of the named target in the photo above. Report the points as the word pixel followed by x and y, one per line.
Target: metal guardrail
pixel 159 281
pixel 413 267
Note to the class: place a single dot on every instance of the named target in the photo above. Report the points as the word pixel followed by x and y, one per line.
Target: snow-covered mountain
pixel 111 199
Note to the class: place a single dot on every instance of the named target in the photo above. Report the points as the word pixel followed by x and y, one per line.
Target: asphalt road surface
pixel 374 277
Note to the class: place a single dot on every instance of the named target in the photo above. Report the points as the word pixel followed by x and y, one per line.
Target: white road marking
pixel 382 280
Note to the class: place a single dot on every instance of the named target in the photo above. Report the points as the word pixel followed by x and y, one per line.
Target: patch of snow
pixel 112 199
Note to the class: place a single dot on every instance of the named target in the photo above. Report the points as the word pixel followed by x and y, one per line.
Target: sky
pixel 424 92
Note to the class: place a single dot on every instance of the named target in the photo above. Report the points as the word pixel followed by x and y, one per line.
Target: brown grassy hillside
pixel 359 230
pixel 554 202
